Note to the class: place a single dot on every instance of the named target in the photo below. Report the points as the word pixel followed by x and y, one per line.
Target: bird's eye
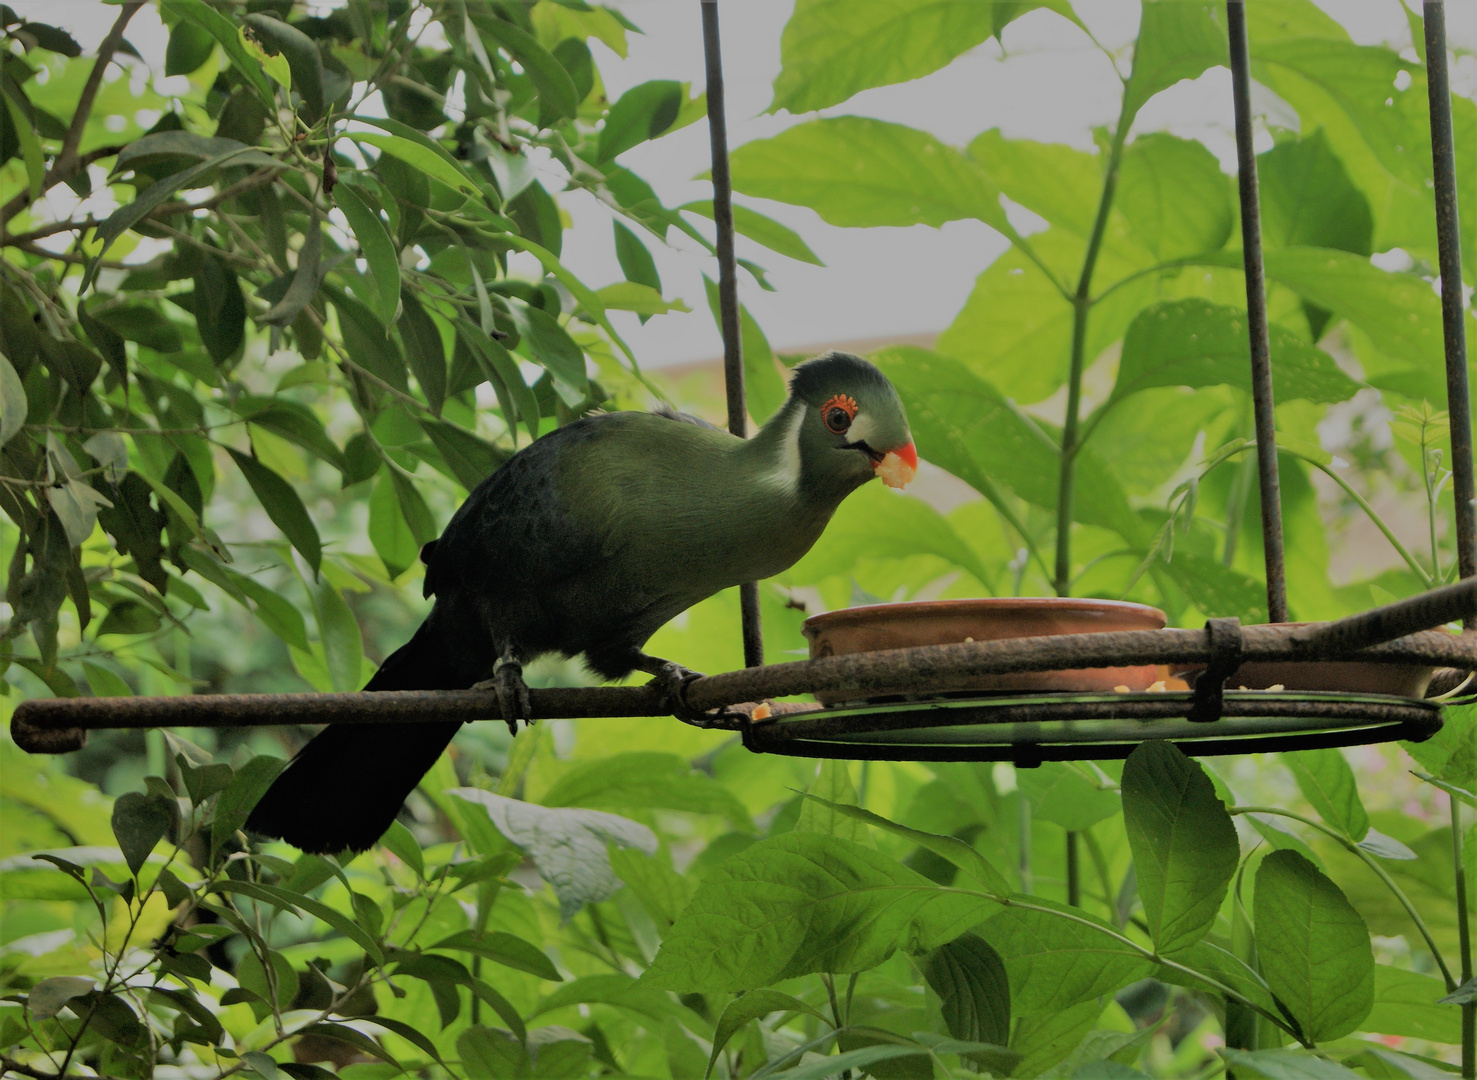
pixel 838 413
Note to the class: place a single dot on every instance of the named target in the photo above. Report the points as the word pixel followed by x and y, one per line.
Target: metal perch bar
pixel 1392 634
pixel 1256 310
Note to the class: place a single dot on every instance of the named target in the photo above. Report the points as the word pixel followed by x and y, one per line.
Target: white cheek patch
pixel 785 472
pixel 862 429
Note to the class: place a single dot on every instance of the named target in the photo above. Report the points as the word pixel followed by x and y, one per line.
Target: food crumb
pixel 1122 688
pixel 762 711
pixel 1158 687
pixel 895 472
pixel 1275 687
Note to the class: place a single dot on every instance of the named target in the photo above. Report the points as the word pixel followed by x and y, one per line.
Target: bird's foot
pixel 673 679
pixel 512 693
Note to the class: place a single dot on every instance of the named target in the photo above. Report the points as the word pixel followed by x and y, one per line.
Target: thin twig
pixel 66 163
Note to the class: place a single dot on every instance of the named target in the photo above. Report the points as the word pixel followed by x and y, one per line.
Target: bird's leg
pixel 512 692
pixel 672 678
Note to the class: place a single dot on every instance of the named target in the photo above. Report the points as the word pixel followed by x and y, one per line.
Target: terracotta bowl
pixel 948 622
pixel 1337 676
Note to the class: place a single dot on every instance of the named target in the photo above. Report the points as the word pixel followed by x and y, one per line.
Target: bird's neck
pixel 778 461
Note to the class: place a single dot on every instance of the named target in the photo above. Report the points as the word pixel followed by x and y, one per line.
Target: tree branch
pixel 66 163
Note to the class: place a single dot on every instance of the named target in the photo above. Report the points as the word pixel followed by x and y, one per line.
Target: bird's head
pixel 853 425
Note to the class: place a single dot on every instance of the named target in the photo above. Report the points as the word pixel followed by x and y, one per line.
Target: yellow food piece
pixel 895 472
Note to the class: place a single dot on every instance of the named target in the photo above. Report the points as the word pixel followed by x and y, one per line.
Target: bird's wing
pixel 515 532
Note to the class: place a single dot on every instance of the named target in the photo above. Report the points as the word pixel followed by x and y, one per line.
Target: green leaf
pixel 31 152
pixel 1215 588
pixel 1184 844
pixel 643 112
pixel 294 422
pixel 567 846
pixel 798 903
pixel 419 156
pixel 855 171
pixel 283 505
pixel 969 428
pixel 146 325
pixel 1326 781
pixel 841 1064
pixel 1058 956
pixel 950 848
pixel 1178 39
pixel 399 841
pixel 642 299
pixel 288 900
pixel 634 258
pixel 1059 182
pixel 388 532
pixel 1313 946
pixel 499 368
pixel 1195 343
pixel 377 247
pixel 343 649
pixel 1174 196
pixel 832 49
pixel 778 238
pixel 105 683
pixel 49 996
pixel 277 613
pixel 470 458
pixel 140 822
pixel 644 780
pixel 558 98
pixel 201 782
pixel 1385 1064
pixel 974 991
pixel 489 1051
pixel 625 993
pixel 1015 309
pixel 423 349
pixel 367 340
pixel 1285 1065
pixel 224 31
pixel 303 59
pixel 125 217
pixel 753 1005
pixel 832 788
pixel 1400 312
pixel 353 1037
pixel 190 45
pixel 550 344
pixel 1215 963
pixel 234 805
pixel 1308 199
pixel 1064 795
pixel 503 948
pixel 13 403
pixel 305 278
pixel 414 509
pixel 1405 1004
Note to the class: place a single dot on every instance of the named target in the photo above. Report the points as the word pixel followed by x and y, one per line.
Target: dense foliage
pixel 294 312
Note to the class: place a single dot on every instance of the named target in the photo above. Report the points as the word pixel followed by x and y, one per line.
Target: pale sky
pixel 1049 83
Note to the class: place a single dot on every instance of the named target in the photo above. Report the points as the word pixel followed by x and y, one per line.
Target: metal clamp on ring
pixel 1225 659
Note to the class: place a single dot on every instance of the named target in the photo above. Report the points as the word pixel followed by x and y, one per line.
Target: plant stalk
pixel 1464 942
pixel 1081 306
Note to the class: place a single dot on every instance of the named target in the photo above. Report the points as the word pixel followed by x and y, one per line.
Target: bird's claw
pixel 673 679
pixel 512 693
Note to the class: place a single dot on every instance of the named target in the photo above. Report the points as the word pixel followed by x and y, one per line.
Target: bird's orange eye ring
pixel 838 413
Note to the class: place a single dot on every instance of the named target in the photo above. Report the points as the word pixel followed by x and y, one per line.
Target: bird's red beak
pixel 898 466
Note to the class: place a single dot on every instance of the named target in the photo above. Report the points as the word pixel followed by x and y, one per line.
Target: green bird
pixel 585 542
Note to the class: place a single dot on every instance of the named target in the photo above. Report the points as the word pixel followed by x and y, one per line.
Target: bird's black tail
pixel 345 787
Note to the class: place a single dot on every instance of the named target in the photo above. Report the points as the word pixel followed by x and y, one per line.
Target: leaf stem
pixel 1379 871
pixel 1464 942
pixel 1081 307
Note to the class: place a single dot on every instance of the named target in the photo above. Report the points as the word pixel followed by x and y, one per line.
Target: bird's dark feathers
pixel 835 371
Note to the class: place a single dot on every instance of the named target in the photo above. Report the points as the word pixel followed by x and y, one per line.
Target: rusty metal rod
pixel 1449 253
pixel 1256 310
pixel 1451 603
pixel 728 306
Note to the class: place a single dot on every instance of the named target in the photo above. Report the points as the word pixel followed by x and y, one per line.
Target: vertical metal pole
pixel 1256 308
pixel 1459 410
pixel 1448 233
pixel 728 309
